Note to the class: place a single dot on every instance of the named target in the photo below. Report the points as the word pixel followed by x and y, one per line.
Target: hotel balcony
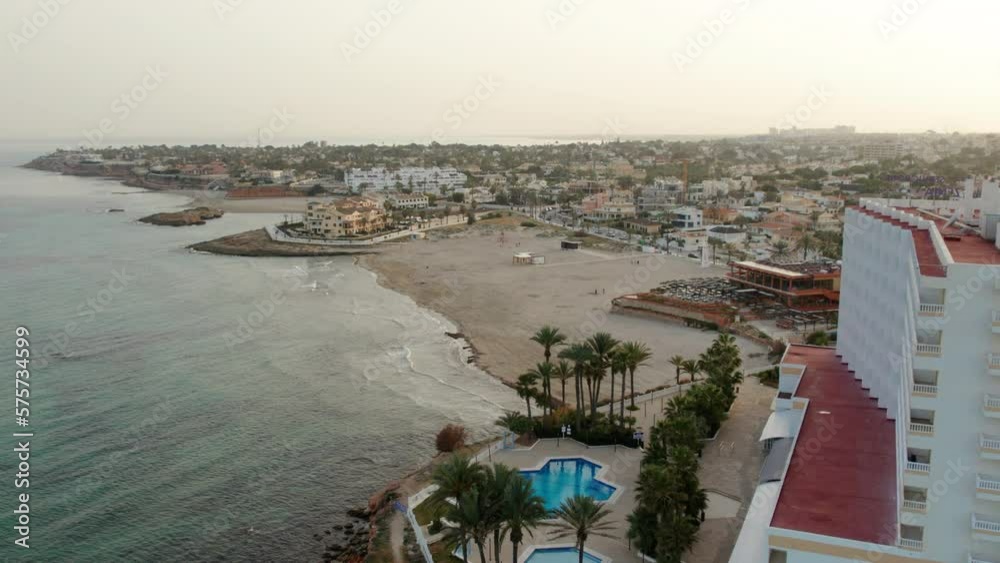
pixel 918 461
pixel 989 446
pixel 921 422
pixel 915 500
pixel 993 364
pixel 986 527
pixel 932 309
pixel 925 383
pixel 987 487
pixel 991 406
pixel 911 537
pixel 928 350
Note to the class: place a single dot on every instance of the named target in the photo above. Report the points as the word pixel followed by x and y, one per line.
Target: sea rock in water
pixel 194 216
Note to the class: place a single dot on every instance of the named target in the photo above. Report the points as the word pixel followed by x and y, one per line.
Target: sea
pixel 193 407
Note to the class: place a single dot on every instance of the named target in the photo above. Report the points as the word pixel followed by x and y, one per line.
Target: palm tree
pixel 602 345
pixel 549 338
pixel 563 371
pixel 636 354
pixel 543 372
pixel 455 478
pixel 496 484
pixel 780 249
pixel 805 242
pixel 617 365
pixel 580 355
pixel 523 511
pixel 691 368
pixel 525 388
pixel 678 363
pixel 581 517
pixel 472 514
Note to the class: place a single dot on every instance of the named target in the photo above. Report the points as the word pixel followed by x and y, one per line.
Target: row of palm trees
pixel 587 364
pixel 486 506
pixel 670 503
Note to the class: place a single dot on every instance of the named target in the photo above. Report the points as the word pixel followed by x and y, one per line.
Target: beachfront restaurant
pixel 806 287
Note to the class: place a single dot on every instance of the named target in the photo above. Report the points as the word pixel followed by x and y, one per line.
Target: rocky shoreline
pixel 185 218
pixel 257 243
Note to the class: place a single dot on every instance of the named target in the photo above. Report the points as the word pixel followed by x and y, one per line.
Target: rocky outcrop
pixel 257 243
pixel 195 216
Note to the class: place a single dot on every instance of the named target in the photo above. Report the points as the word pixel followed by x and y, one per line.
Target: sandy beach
pixel 467 275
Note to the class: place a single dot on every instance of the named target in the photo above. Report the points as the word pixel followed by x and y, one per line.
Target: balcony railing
pixel 925 389
pixel 988 483
pixel 932 308
pixel 918 467
pixel 915 545
pixel 989 442
pixel 915 505
pixel 991 402
pixel 922 428
pixel 983 524
pixel 928 349
pixel 994 361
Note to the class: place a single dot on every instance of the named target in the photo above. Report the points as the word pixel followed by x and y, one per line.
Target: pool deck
pixel 619 468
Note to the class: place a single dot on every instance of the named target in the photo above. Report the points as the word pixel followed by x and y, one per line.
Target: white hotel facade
pixel 909 470
pixel 420 180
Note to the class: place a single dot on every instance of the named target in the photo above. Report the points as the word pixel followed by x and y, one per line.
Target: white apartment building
pixel 687 218
pixel 887 448
pixel 882 151
pixel 411 178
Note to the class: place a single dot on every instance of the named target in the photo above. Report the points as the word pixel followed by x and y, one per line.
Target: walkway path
pixel 731 465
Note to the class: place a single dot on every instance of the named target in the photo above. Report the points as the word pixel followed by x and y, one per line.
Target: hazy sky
pixel 224 68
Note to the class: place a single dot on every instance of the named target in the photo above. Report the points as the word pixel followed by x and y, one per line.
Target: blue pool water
pixel 560 479
pixel 560 555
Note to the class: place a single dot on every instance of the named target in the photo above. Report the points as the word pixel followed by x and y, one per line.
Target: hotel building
pixel 345 218
pixel 887 448
pixel 406 178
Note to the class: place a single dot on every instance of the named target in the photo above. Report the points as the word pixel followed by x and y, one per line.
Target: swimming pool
pixel 560 479
pixel 560 555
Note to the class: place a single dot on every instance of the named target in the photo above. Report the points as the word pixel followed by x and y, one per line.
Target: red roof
pixel 841 481
pixel 968 248
pixel 927 257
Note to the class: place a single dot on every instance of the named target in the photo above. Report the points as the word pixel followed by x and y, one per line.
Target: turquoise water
pixel 560 555
pixel 158 437
pixel 560 479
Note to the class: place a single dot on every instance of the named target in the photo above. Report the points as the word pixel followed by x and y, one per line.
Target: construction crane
pixel 684 194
